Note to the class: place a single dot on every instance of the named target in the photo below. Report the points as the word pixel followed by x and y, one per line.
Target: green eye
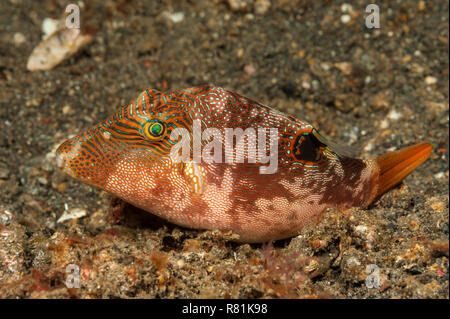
pixel 155 130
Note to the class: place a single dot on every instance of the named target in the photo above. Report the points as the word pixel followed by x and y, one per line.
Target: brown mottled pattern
pixel 120 157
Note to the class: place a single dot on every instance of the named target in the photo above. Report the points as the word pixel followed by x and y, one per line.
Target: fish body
pixel 274 176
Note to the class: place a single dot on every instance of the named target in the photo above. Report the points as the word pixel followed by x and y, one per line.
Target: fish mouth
pixel 75 159
pixel 64 156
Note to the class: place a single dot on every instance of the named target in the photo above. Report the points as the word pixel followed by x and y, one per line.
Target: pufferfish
pixel 131 155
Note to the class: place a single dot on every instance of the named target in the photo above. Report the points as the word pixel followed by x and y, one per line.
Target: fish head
pixel 128 153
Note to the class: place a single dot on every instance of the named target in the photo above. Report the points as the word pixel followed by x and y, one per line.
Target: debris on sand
pixel 58 43
pixel 56 48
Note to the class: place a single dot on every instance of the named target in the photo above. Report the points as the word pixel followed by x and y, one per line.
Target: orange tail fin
pixel 395 166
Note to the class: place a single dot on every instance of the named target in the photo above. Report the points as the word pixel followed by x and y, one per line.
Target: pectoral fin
pixel 194 175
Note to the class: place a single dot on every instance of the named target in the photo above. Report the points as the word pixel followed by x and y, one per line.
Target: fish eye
pixel 155 130
pixel 307 148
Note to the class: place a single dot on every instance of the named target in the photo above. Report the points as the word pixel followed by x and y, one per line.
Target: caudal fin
pixel 395 166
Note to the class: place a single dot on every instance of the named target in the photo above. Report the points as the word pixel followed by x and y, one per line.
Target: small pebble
pixel 238 5
pixel 325 66
pixel 262 6
pixel 361 228
pixel 344 67
pixel 438 206
pixel 49 26
pixel 61 187
pixel 71 214
pixel 315 84
pixel 42 180
pixel 67 109
pixel 384 124
pixel 249 69
pixel 430 80
pixel 421 6
pixel 180 263
pixel 369 147
pixel 394 115
pixel 34 102
pixel 353 261
pixel 5 217
pixel 345 18
pixel 306 85
pixel 175 17
pixel 345 7
pixel 381 100
pixel 18 39
pixel 439 175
